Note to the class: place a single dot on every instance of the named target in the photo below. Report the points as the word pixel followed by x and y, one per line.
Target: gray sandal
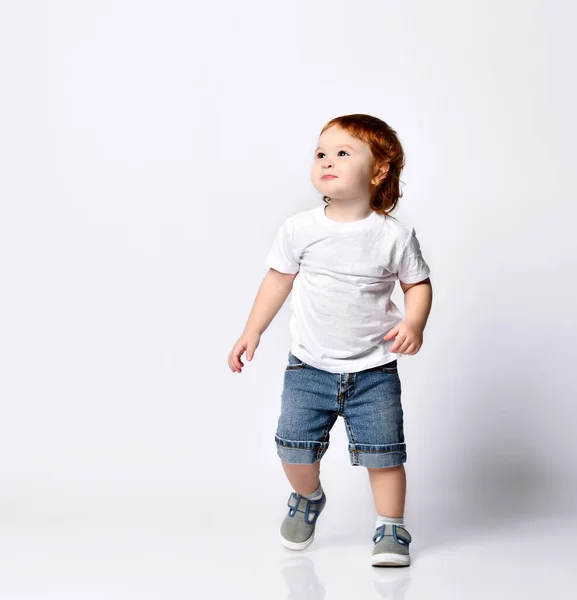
pixel 298 528
pixel 391 547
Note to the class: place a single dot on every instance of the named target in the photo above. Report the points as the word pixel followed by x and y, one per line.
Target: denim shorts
pixel 369 402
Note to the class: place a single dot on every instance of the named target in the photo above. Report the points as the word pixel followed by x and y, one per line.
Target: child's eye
pixel 319 153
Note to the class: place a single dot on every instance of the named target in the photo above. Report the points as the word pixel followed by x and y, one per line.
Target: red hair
pixel 386 148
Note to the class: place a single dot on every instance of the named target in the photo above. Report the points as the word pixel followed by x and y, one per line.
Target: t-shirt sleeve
pixel 412 267
pixel 282 254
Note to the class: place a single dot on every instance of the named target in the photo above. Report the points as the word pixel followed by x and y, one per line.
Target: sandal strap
pixel 299 503
pixel 399 533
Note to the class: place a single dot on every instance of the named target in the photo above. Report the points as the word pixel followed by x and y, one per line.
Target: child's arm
pixel 272 293
pixel 270 297
pixel 409 333
pixel 418 303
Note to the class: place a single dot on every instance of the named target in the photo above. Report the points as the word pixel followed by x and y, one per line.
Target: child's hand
pixel 409 338
pixel 247 341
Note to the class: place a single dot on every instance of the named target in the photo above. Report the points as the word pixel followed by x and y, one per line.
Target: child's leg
pixel 303 478
pixel 389 487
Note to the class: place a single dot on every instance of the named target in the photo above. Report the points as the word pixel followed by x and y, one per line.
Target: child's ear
pixel 383 170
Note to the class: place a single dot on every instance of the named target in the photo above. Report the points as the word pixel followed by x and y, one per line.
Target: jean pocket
pixel 294 363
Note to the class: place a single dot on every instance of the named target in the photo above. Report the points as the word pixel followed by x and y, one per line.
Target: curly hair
pixel 386 148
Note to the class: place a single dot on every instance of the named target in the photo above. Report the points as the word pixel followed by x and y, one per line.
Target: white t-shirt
pixel 340 300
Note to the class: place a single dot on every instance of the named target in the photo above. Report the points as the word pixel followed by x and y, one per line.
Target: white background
pixel 148 153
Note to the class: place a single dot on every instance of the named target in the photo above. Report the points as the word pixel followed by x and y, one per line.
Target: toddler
pixel 341 261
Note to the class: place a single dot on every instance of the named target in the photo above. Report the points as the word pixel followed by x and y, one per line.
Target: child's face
pixel 352 166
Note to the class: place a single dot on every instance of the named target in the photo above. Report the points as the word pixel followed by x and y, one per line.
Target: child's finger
pixel 405 345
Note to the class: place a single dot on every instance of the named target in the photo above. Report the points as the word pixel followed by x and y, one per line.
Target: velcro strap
pixel 400 534
pixel 299 503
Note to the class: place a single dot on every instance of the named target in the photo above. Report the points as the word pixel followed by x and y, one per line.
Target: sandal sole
pixel 389 559
pixel 296 545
